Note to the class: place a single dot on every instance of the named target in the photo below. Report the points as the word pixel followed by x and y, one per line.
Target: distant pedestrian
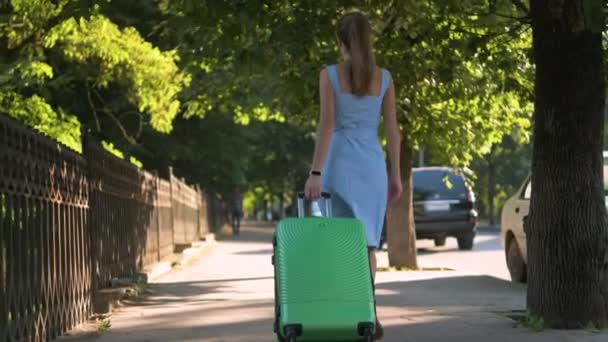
pixel 237 210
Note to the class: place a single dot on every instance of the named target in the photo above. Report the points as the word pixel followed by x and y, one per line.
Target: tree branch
pixel 524 19
pixel 93 109
pixel 390 26
pixel 522 7
pixel 122 128
pixel 139 121
pixel 119 124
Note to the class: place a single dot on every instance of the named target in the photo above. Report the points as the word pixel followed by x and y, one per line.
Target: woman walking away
pixel 348 160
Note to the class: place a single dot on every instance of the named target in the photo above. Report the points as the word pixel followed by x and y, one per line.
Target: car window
pixel 527 191
pixel 430 185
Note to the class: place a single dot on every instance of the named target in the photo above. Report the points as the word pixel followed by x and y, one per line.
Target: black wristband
pixel 316 173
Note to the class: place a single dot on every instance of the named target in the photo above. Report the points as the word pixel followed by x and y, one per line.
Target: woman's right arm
pixel 325 130
pixel 393 137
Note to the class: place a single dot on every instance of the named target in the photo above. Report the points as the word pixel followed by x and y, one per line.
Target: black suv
pixel 444 206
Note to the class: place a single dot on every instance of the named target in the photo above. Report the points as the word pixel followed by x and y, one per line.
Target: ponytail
pixel 355 33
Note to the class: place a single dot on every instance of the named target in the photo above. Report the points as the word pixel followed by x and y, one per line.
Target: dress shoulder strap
pixel 386 80
pixel 332 73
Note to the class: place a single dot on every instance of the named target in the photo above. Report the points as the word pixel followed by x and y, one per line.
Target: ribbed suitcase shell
pixel 322 278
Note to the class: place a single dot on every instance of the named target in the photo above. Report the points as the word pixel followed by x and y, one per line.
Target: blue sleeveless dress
pixel 355 171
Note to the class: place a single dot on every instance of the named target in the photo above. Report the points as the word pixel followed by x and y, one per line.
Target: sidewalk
pixel 228 296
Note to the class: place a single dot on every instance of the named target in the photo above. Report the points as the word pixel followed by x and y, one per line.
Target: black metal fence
pixel 70 223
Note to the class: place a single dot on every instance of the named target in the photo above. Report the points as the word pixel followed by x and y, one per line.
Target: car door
pixel 521 210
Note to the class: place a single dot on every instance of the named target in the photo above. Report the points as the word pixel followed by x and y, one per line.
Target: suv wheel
pixel 440 241
pixel 515 263
pixel 465 242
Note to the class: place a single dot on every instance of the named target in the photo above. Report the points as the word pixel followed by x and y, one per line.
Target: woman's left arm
pixel 324 132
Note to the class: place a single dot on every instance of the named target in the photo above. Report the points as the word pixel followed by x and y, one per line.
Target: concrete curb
pixel 105 300
pixel 186 256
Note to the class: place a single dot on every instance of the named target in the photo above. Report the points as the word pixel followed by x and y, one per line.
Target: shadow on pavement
pixel 439 307
pixel 478 291
pixel 187 292
pixel 461 308
pixel 456 309
pixel 250 233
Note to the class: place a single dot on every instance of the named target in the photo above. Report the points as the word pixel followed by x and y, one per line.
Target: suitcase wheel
pixel 368 336
pixel 366 331
pixel 292 332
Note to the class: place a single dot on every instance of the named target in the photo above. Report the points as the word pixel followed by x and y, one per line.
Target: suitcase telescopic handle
pixel 326 198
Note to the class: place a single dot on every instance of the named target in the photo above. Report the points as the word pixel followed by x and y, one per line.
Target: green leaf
pixel 150 77
pixel 595 15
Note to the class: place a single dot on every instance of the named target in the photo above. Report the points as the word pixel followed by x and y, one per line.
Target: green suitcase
pixel 323 284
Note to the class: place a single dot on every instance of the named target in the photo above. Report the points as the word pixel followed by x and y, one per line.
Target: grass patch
pixel 405 269
pixel 103 325
pixel 593 328
pixel 534 323
pixel 528 320
pixel 537 324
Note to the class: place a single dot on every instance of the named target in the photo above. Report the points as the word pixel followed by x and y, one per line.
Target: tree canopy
pixel 64 60
pixel 233 70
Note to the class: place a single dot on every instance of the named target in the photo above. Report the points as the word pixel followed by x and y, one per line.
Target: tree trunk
pixel 400 228
pixel 567 235
pixel 491 185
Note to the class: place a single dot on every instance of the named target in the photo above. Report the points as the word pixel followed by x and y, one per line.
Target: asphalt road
pixel 486 258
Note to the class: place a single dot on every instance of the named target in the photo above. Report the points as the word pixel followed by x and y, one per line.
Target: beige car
pixel 513 238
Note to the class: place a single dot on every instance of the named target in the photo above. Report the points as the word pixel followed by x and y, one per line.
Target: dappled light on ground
pixel 228 297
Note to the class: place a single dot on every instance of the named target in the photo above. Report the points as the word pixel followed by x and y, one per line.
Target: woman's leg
pixel 373 263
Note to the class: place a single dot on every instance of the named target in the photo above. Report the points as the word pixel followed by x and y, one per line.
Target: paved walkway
pixel 228 296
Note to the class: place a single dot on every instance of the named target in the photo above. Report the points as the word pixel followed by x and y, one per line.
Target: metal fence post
pixel 85 137
pixel 172 191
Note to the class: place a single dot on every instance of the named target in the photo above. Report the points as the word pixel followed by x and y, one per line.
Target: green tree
pixel 63 59
pixel 499 174
pixel 459 67
pixel 463 77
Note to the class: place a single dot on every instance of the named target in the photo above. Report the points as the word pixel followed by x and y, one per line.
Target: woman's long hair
pixel 354 32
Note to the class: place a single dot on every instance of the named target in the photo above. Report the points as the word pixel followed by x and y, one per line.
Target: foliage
pixel 462 73
pixel 227 91
pixel 468 81
pixel 104 325
pixel 37 113
pixel 64 58
pixel 149 77
pixel 595 14
pixel 511 161
pixel 460 76
pixel 533 322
